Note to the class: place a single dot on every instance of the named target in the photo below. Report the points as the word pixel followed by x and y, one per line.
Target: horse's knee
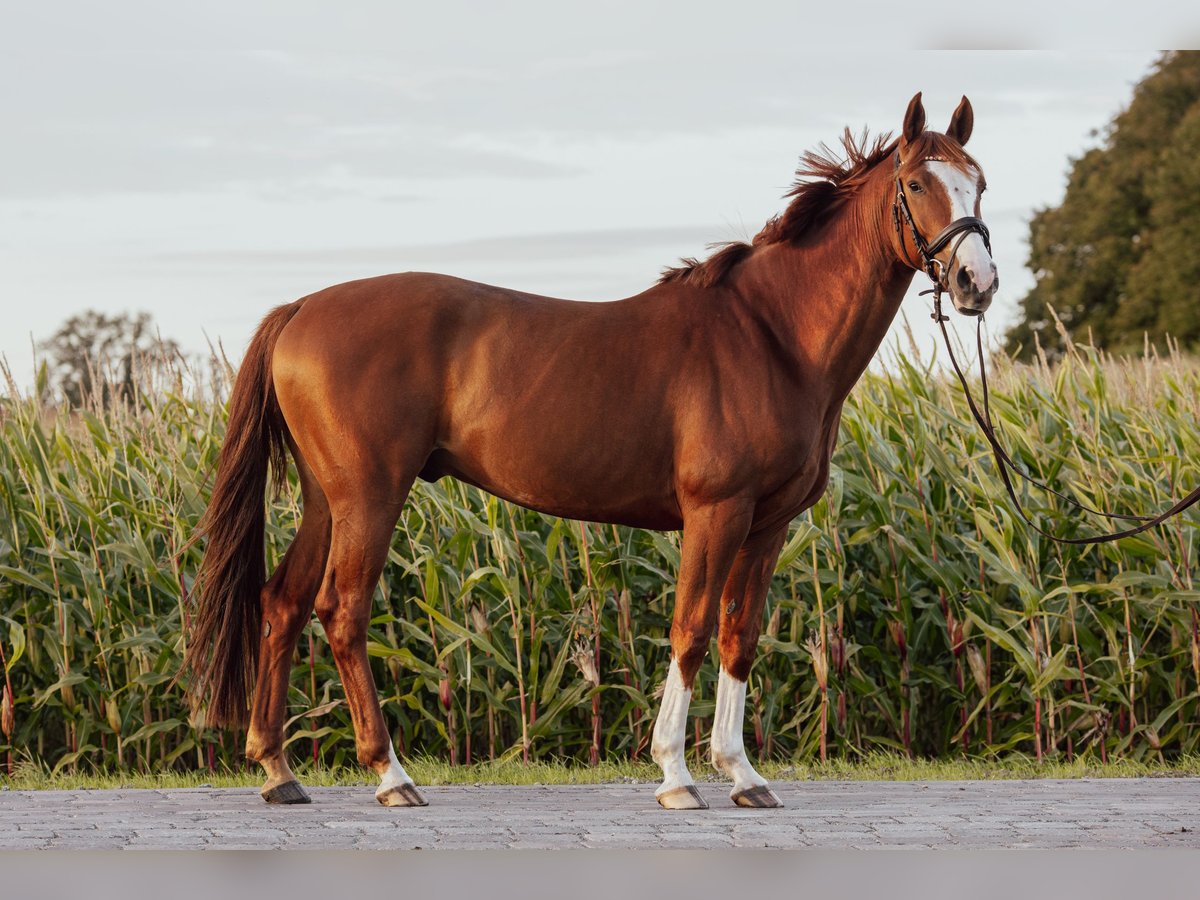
pixel 689 649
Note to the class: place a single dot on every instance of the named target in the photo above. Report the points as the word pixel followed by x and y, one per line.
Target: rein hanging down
pixel 936 271
pixel 1005 463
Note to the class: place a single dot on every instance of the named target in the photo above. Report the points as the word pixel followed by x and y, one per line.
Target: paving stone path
pixel 1134 813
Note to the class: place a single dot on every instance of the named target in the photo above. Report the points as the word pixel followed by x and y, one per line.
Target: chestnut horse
pixel 709 402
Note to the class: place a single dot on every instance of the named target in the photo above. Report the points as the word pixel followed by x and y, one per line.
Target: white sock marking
pixel 393 776
pixel 670 731
pixel 728 749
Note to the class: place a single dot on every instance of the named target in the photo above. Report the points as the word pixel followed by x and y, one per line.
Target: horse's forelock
pixel 934 146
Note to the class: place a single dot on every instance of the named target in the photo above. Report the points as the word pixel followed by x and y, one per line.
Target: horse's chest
pixel 797 494
pixel 805 482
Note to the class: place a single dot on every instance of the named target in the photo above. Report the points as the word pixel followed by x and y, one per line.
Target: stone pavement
pixel 1100 813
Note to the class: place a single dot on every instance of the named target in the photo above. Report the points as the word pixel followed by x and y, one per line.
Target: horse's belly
pixel 640 499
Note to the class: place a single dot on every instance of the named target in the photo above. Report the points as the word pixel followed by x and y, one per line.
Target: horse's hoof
pixel 757 797
pixel 401 795
pixel 686 797
pixel 289 792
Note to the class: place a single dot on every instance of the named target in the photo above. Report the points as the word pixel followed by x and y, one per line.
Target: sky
pixel 207 163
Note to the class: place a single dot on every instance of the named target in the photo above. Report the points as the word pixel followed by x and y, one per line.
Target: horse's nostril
pixel 965 278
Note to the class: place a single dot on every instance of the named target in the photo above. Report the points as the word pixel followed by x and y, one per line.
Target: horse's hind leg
pixel 741 619
pixel 287 603
pixel 362 533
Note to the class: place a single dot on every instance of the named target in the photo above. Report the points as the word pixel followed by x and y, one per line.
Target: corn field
pixel 910 611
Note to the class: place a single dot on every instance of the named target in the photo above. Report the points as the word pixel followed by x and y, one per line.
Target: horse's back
pixel 589 410
pixel 556 404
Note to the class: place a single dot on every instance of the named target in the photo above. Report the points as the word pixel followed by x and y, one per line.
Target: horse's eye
pixel 914 187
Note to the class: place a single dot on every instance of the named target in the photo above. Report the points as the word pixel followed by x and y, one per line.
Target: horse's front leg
pixel 741 620
pixel 711 536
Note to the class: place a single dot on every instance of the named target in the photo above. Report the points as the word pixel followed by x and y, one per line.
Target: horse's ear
pixel 914 119
pixel 962 122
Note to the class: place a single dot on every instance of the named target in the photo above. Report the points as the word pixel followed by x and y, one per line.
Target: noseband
pixel 928 250
pixel 933 267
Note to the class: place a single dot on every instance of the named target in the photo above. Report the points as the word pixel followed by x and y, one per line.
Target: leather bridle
pixel 927 250
pixel 937 273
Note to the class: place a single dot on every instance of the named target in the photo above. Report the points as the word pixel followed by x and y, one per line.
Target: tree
pixel 1120 257
pixel 94 356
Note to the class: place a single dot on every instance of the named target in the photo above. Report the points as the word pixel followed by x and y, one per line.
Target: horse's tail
pixel 223 634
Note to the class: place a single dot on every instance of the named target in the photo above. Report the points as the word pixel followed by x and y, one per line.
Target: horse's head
pixel 936 208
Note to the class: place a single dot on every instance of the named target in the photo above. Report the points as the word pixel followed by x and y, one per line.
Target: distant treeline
pixel 1119 259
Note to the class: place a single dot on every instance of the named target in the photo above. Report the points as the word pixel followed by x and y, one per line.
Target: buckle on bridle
pixel 937 315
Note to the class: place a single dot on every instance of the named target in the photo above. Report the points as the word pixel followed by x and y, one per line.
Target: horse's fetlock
pixel 375 757
pixel 259 750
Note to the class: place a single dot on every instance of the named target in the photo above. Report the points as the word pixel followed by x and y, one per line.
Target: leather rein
pixel 937 273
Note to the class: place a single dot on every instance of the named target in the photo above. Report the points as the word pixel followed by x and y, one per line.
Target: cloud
pixel 508 248
pixel 54 160
pixel 426 99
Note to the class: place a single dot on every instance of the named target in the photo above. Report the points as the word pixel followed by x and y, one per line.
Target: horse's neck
pixel 834 297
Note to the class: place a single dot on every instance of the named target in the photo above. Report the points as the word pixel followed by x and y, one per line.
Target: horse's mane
pixel 825 180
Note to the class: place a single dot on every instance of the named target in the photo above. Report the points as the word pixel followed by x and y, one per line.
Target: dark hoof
pixel 289 792
pixel 686 797
pixel 759 797
pixel 402 795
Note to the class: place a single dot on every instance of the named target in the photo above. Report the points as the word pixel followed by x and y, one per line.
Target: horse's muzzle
pixel 968 298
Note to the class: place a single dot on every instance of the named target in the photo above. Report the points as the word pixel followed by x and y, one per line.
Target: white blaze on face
pixel 962 189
